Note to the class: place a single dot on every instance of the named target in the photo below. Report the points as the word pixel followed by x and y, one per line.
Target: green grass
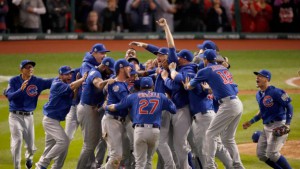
pixel 282 64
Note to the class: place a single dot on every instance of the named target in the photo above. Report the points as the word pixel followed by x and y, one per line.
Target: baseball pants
pixel 21 127
pixel 163 147
pixel 225 122
pixel 199 127
pixel 269 146
pixel 145 144
pixel 112 133
pixel 90 123
pixel 70 129
pixel 181 121
pixel 56 141
pixel 128 158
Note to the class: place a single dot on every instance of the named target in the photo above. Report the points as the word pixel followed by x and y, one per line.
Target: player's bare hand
pixel 172 66
pixel 111 81
pixel 205 85
pixel 134 43
pixel 164 74
pixel 246 124
pixel 24 84
pixel 186 83
pixel 85 75
pixel 162 22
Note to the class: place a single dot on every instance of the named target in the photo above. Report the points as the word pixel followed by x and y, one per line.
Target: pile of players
pixel 183 106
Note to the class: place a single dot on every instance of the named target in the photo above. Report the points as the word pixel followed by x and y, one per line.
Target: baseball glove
pixel 280 131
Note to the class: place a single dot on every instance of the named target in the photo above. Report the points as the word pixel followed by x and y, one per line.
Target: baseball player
pixel 89 119
pixel 71 123
pixel 182 119
pixel 22 93
pixel 146 108
pixel 275 110
pixel 230 109
pixel 55 111
pixel 202 111
pixel 113 123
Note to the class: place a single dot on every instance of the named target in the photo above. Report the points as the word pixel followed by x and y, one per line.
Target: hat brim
pixel 157 52
pixel 257 73
pixel 133 59
pixel 70 71
pixel 28 63
pixel 200 46
pixel 100 51
pixel 133 72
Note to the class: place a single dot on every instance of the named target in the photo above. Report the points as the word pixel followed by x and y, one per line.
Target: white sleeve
pixel 41 10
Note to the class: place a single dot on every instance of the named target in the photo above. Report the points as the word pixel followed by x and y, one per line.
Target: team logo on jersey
pixel 268 101
pixel 116 88
pixel 32 90
pixel 285 97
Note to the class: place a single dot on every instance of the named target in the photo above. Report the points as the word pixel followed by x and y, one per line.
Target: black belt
pixel 121 119
pixel 226 98
pixel 147 125
pixel 271 122
pixel 24 113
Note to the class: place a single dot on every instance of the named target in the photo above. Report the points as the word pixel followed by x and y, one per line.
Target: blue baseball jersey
pixel 60 100
pixel 116 92
pixel 25 100
pixel 89 62
pixel 219 79
pixel 91 95
pixel 152 48
pixel 274 105
pixel 200 100
pixel 146 107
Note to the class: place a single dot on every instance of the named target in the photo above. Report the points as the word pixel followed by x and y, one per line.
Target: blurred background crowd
pixel 54 16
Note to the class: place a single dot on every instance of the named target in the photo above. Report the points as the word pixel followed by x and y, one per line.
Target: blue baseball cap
pixel 264 73
pixel 132 72
pixel 65 70
pixel 146 82
pixel 26 62
pixel 133 59
pixel 186 54
pixel 110 62
pixel 207 44
pixel 162 51
pixel 120 64
pixel 255 136
pixel 98 47
pixel 210 54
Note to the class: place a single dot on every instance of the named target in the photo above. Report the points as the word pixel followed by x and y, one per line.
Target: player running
pixel 275 110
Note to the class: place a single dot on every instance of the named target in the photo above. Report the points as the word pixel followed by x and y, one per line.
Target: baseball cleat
pixel 28 164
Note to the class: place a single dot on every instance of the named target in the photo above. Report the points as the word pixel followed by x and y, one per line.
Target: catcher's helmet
pixel 255 136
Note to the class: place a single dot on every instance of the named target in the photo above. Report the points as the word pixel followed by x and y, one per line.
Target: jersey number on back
pixel 226 76
pixel 144 104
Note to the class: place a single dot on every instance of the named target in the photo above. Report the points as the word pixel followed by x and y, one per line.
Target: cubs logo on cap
pixel 264 73
pixel 109 62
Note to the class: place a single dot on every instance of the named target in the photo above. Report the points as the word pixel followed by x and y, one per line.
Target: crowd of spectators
pixel 48 16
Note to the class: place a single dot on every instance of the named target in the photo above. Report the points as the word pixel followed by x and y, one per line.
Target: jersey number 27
pixel 143 106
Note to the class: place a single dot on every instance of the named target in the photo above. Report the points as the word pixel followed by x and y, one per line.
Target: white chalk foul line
pixel 4 78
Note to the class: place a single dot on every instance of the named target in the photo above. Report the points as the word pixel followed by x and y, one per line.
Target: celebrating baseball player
pixel 113 123
pixel 276 111
pixel 92 97
pixel 146 108
pixel 22 93
pixel 55 111
pixel 230 110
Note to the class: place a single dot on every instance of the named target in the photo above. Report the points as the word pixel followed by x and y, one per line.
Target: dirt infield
pixel 290 149
pixel 59 46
